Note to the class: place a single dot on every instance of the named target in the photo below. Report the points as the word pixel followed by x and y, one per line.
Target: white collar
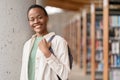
pixel 45 36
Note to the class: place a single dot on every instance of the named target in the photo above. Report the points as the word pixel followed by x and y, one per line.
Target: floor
pixel 77 74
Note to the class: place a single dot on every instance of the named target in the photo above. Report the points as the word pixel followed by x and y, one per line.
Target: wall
pixel 58 21
pixel 14 31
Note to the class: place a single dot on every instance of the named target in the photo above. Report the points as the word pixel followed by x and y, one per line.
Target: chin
pixel 38 31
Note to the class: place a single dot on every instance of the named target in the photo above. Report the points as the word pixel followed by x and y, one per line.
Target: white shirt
pixel 47 68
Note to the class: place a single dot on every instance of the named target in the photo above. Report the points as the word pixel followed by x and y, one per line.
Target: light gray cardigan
pixel 47 68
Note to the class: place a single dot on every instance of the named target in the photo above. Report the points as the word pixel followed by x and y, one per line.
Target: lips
pixel 37 26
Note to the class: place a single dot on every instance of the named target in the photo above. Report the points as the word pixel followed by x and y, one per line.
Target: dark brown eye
pixel 31 19
pixel 39 17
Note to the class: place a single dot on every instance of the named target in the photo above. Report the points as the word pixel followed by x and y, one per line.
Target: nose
pixel 36 20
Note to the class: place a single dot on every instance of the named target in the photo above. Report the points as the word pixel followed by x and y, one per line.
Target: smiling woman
pixel 38 62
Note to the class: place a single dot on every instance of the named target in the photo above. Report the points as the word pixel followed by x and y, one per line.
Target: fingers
pixel 44 42
pixel 49 44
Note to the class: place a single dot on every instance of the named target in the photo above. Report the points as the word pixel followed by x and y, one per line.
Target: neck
pixel 41 34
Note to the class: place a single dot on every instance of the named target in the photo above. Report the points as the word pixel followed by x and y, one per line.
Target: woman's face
pixel 38 20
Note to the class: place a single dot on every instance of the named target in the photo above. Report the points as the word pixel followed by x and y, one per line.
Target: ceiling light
pixel 52 10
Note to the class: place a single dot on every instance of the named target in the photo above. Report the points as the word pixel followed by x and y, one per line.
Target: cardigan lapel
pixel 29 51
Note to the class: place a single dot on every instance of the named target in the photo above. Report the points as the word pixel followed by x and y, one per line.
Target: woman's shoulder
pixel 59 39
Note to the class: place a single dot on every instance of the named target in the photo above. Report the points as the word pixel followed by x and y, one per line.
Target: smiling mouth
pixel 38 26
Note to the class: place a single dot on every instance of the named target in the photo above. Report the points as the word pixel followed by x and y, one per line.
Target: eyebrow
pixel 36 15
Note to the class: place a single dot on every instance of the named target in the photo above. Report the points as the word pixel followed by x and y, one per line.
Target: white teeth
pixel 37 25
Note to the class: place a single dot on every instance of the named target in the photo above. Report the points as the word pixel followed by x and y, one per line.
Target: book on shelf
pixel 117 32
pixel 101 24
pixel 115 47
pixel 99 55
pixel 111 33
pixel 100 66
pixel 118 20
pixel 99 34
pixel 99 45
pixel 115 61
pixel 115 21
pixel 114 34
pixel 115 75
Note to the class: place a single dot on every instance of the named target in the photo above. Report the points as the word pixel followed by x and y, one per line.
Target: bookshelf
pixel 78 25
pixel 92 42
pixel 99 47
pixel 114 42
pixel 105 43
pixel 88 44
pixel 72 34
pixel 73 38
pixel 111 40
pixel 84 14
pixel 96 44
pixel 98 41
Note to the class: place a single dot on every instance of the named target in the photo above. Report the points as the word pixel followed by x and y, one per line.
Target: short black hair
pixel 37 6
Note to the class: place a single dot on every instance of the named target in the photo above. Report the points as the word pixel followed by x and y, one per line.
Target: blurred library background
pixel 91 28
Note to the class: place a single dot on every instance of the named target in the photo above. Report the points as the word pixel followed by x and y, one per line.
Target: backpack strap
pixel 51 50
pixel 51 38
